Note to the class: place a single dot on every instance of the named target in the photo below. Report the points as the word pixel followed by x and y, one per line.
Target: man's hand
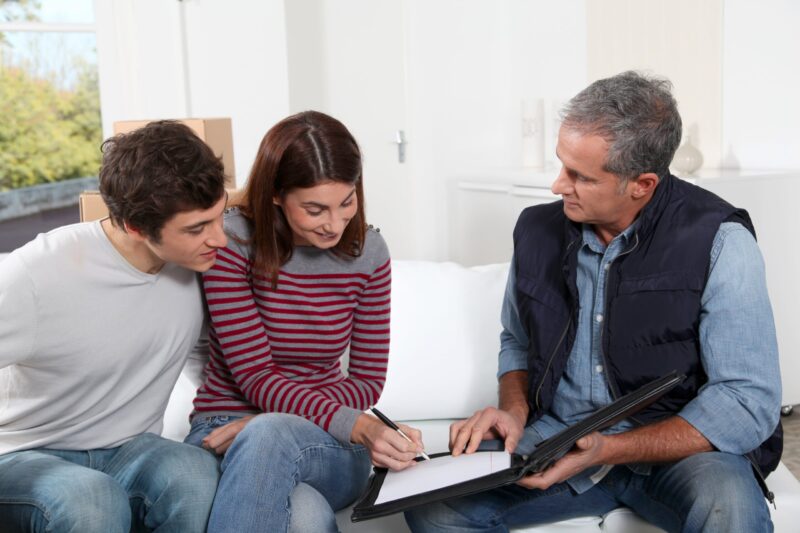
pixel 668 440
pixel 222 437
pixel 489 423
pixel 387 448
pixel 587 452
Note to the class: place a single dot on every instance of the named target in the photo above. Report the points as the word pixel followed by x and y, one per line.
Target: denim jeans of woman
pixel 282 473
pixel 147 484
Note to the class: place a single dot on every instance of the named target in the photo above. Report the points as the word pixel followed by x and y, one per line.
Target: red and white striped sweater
pixel 279 350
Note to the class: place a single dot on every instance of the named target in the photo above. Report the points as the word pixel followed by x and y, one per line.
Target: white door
pixel 359 78
pixel 450 73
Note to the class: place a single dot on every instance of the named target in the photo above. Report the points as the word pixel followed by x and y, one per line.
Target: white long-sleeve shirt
pixel 90 347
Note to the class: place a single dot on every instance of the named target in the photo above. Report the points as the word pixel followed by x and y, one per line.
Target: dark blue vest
pixel 652 299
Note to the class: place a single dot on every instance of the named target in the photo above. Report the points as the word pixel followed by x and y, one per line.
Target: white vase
pixel 533 133
pixel 687 158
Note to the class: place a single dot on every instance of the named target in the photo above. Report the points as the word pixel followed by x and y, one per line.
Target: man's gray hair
pixel 636 114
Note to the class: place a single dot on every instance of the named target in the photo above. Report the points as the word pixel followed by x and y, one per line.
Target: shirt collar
pixel 591 239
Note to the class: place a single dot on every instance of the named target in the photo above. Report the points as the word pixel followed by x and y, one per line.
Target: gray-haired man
pixel 633 274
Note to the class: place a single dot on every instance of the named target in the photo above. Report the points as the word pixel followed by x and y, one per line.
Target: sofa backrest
pixel 444 341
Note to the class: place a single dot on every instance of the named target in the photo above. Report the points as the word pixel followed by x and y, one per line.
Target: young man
pixel 633 274
pixel 96 321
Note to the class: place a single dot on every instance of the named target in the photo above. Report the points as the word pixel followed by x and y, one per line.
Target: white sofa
pixel 442 366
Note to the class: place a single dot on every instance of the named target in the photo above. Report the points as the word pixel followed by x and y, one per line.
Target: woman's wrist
pixel 361 428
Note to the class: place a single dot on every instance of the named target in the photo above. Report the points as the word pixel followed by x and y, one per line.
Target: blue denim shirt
pixel 735 410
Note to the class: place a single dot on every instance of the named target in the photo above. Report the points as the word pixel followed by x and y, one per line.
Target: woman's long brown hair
pixel 300 151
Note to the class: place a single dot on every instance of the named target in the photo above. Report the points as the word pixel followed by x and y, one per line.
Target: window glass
pixel 50 132
pixel 50 106
pixel 47 11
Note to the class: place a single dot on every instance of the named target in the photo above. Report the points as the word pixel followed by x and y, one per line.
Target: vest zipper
pixel 605 315
pixel 762 482
pixel 550 361
pixel 558 344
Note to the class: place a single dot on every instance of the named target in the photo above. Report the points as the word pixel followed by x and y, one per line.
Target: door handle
pixel 400 141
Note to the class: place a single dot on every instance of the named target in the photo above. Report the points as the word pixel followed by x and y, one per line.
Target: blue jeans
pixel 283 473
pixel 709 492
pixel 148 483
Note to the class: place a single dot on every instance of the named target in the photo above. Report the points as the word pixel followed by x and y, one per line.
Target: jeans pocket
pixel 202 426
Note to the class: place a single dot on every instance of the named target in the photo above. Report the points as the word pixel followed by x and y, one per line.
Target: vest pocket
pixel 663 281
pixel 654 310
pixel 542 294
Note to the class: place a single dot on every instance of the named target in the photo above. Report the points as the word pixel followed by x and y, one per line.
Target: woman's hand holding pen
pixel 387 448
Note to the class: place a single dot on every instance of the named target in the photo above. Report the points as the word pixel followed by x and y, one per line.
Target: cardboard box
pixel 216 132
pixel 93 207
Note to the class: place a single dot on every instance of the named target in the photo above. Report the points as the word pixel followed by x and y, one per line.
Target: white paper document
pixel 441 472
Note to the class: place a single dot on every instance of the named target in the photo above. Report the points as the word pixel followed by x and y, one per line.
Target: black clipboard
pixel 545 454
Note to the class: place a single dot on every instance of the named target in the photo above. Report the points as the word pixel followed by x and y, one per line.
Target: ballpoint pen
pixel 383 418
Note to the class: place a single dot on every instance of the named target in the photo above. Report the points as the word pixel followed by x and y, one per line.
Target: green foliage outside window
pixel 49 130
pixel 47 134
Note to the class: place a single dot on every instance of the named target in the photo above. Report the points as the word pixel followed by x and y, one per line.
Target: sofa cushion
pixel 176 416
pixel 444 341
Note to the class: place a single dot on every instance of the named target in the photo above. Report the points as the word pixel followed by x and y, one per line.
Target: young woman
pixel 302 280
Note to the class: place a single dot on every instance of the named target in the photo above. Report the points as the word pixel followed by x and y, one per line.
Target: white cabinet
pixel 485 215
pixel 481 229
pixel 485 207
pixel 485 212
pixel 523 196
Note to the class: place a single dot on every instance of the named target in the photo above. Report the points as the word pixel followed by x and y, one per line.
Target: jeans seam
pixel 295 476
pixel 145 501
pixel 663 507
pixel 561 487
pixel 632 486
pixel 142 496
pixel 350 448
pixel 117 458
pixel 468 519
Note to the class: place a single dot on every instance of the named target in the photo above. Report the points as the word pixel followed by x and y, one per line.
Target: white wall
pixel 458 69
pixel 232 54
pixel 468 66
pixel 733 64
pixel 471 63
pixel 139 53
pixel 305 48
pixel 761 76
pixel 679 39
pixel 238 68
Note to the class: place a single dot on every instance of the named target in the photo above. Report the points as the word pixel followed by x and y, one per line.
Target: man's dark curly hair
pixel 151 174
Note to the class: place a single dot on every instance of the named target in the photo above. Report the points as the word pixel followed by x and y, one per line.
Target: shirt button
pixel 599 317
pixel 608 265
pixel 598 369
